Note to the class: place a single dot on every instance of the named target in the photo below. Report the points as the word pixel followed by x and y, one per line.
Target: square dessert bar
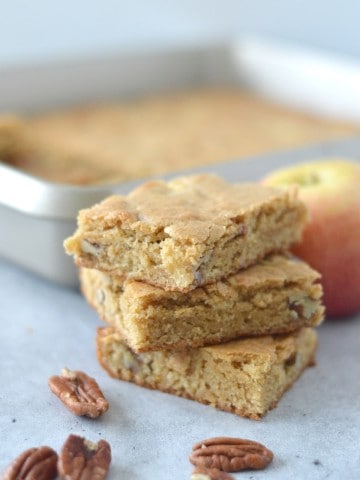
pixel 188 232
pixel 278 295
pixel 246 377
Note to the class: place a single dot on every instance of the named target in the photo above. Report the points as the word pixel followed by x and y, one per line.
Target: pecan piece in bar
pixel 202 473
pixel 79 392
pixel 38 463
pixel 230 454
pixel 85 460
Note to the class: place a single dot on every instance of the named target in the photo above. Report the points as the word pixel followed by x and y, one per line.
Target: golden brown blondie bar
pixel 278 295
pixel 246 377
pixel 188 232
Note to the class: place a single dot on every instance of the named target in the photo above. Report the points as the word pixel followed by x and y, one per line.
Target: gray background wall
pixel 38 30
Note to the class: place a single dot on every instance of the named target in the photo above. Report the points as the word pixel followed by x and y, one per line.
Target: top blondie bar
pixel 187 232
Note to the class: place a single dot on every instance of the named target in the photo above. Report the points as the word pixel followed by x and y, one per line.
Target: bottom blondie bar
pixel 246 377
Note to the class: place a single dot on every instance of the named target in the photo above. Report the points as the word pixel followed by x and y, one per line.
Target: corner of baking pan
pixel 34 196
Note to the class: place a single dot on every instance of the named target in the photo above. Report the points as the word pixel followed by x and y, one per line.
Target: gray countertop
pixel 314 432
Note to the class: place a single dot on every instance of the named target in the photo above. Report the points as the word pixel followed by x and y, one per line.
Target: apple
pixel 331 241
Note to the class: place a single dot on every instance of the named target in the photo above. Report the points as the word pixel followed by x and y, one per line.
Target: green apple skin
pixel 331 241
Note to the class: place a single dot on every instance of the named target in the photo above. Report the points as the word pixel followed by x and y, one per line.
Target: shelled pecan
pixel 79 392
pixel 85 460
pixel 230 454
pixel 38 463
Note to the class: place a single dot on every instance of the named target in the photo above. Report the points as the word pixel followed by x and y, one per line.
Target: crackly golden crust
pixel 246 377
pixel 278 295
pixel 188 232
pixel 160 134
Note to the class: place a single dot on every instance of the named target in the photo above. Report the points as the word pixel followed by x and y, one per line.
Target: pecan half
pixel 202 473
pixel 230 454
pixel 79 392
pixel 81 459
pixel 38 463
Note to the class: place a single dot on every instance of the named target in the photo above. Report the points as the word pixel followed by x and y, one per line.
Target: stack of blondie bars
pixel 200 296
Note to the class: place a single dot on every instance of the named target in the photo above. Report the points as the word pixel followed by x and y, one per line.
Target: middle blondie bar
pixel 278 295
pixel 188 232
